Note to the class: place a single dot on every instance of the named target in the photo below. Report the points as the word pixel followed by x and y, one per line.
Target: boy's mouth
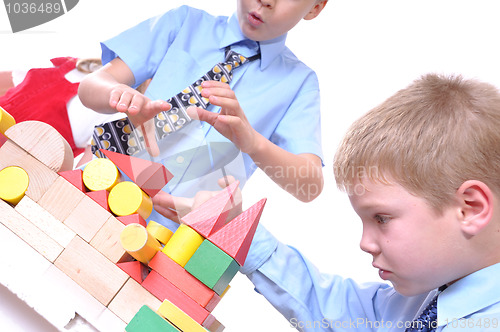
pixel 255 19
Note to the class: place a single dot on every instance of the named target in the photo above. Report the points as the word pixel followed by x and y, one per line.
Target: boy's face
pixel 267 19
pixel 412 247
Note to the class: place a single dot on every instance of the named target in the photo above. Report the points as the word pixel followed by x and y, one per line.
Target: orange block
pixel 236 237
pixel 210 216
pixel 184 281
pixel 148 175
pixel 75 177
pixel 164 289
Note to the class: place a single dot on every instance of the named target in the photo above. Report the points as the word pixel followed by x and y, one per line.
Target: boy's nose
pixel 368 243
pixel 267 3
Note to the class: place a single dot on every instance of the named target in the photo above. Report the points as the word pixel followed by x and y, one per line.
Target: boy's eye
pixel 381 219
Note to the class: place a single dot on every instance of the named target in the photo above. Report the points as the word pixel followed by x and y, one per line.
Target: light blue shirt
pixel 278 93
pixel 312 301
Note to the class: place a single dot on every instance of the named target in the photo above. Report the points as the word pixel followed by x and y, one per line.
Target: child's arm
pixel 301 175
pixel 109 90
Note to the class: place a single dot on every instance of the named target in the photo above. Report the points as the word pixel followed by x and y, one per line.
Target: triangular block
pixel 235 238
pixel 75 177
pixel 100 197
pixel 150 176
pixel 132 219
pixel 134 269
pixel 211 216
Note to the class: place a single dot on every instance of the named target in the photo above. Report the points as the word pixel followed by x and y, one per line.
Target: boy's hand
pixel 138 107
pixel 231 122
pixel 174 208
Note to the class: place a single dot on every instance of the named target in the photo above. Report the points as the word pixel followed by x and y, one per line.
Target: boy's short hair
pixel 430 137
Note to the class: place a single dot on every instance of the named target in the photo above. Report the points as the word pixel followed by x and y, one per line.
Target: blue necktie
pixel 427 321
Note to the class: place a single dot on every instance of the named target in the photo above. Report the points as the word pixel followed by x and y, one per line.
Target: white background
pixel 362 50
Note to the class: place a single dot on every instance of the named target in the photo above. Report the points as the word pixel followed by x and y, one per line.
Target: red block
pixel 131 219
pixel 148 175
pixel 211 216
pixel 100 197
pixel 3 139
pixel 134 269
pixel 75 177
pixel 184 281
pixel 164 289
pixel 236 237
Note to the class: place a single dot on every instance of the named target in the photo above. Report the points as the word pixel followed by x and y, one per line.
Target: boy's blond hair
pixel 429 138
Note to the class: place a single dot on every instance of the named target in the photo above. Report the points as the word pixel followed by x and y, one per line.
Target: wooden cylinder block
pixel 100 174
pixel 13 184
pixel 127 198
pixel 160 232
pixel 6 120
pixel 183 244
pixel 137 241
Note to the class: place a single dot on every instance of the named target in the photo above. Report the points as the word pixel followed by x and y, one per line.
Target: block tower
pixel 89 225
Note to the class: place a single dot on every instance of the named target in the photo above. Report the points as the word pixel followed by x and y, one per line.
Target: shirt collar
pixel 469 295
pixel 269 49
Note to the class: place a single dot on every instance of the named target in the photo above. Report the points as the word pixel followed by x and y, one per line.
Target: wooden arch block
pixel 44 143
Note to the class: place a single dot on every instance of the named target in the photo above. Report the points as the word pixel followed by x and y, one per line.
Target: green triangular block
pixel 147 320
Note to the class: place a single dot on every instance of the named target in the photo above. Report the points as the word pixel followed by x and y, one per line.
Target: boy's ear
pixel 318 7
pixel 476 206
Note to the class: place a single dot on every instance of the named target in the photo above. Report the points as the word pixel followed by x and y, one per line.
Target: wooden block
pixel 14 182
pixel 127 198
pixel 159 232
pixel 236 236
pixel 135 269
pixel 212 266
pixel 100 174
pixel 130 299
pixel 75 177
pixel 148 175
pixel 164 289
pixel 87 218
pixel 43 142
pixel 107 240
pixel 3 139
pixel 132 219
pixel 210 216
pixel 184 281
pixel 45 221
pixel 216 326
pixel 27 231
pixel 179 318
pixel 41 177
pixel 182 244
pixel 141 245
pixel 60 199
pixel 147 320
pixel 91 270
pixel 6 121
pixel 101 198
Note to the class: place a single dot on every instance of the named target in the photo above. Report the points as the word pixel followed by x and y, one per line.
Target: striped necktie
pixel 120 136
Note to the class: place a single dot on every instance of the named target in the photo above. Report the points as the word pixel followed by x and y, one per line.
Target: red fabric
pixel 43 96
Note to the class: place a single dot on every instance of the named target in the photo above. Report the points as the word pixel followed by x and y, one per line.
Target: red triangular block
pixel 100 197
pixel 211 216
pixel 75 177
pixel 150 176
pixel 3 139
pixel 236 237
pixel 135 269
pixel 132 219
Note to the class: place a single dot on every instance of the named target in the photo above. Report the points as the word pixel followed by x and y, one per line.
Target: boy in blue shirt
pixel 270 110
pixel 422 171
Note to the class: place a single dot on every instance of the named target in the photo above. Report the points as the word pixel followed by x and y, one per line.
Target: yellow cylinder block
pixel 100 174
pixel 160 232
pixel 127 198
pixel 137 241
pixel 14 182
pixel 6 120
pixel 183 244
